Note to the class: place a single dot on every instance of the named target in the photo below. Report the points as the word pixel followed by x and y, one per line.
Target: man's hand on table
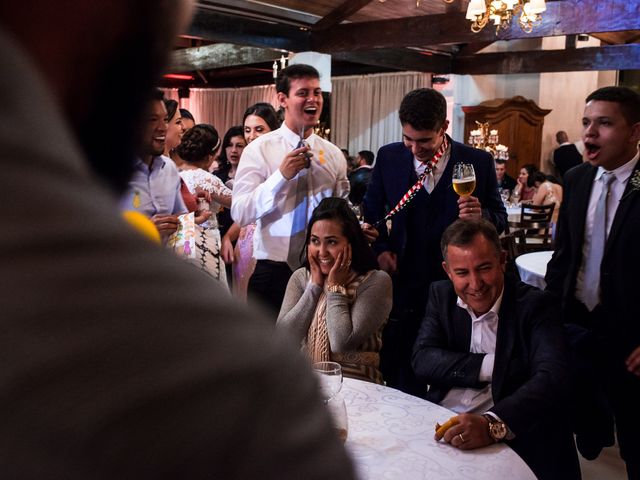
pixel 471 431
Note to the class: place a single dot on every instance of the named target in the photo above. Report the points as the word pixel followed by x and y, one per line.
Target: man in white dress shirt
pixel 281 178
pixel 595 271
pixel 491 349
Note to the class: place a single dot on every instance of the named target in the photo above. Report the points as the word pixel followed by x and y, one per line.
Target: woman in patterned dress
pixel 197 149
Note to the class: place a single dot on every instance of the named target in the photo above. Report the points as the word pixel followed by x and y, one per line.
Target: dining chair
pixel 533 231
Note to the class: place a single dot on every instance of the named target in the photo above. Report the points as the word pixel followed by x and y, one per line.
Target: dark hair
pixel 423 109
pixel 368 156
pixel 561 136
pixel 537 177
pixel 293 72
pixel 157 94
pixel 172 108
pixel 629 101
pixel 184 113
pixel 223 162
pixel 462 233
pixel 333 208
pixel 531 169
pixel 198 142
pixel 265 111
pixel 499 161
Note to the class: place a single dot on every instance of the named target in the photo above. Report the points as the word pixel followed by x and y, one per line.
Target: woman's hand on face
pixel 341 269
pixel 316 273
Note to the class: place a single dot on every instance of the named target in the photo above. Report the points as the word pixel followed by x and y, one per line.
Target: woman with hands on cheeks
pixel 337 303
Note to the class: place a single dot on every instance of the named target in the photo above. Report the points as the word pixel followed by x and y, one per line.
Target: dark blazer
pixel 620 264
pixel 393 174
pixel 530 375
pixel 507 182
pixel 566 157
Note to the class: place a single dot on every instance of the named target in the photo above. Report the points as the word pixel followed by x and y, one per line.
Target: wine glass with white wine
pixel 464 179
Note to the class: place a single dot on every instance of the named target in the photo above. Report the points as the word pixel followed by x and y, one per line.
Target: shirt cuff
pixel 486 369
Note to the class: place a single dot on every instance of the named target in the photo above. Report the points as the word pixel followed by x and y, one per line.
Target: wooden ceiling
pixel 234 42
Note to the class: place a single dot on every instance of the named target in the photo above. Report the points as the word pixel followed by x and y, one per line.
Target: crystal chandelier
pixel 500 12
pixel 487 140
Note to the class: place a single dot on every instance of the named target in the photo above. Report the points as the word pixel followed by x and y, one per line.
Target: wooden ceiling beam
pixel 220 55
pixel 405 60
pixel 340 13
pixel 567 17
pixel 219 27
pixel 614 57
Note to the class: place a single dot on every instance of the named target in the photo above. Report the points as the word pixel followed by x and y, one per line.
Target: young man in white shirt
pixel 281 178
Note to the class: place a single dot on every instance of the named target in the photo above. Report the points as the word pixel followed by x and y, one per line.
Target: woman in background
pixel 525 188
pixel 548 191
pixel 198 148
pixel 337 303
pixel 258 119
pixel 232 146
pixel 174 127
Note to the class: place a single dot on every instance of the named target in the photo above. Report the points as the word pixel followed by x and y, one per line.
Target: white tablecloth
pixel 533 267
pixel 391 438
pixel 514 214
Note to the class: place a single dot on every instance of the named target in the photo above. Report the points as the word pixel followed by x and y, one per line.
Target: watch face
pixel 498 430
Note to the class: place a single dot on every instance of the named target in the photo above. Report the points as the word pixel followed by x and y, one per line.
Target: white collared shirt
pixel 616 190
pixel 262 195
pixel 484 330
pixel 433 178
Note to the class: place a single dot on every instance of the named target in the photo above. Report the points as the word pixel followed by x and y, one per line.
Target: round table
pixel 391 437
pixel 533 267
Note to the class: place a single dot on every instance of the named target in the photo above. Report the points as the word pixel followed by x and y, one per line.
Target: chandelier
pixel 487 140
pixel 500 12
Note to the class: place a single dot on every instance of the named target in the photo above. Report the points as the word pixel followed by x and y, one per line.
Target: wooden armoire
pixel 519 123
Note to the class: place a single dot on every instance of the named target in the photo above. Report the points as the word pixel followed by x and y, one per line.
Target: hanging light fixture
pixel 501 12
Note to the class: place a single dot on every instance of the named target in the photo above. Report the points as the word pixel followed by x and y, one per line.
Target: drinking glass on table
pixel 464 179
pixel 330 376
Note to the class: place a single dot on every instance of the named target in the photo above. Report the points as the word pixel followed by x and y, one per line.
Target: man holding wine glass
pixel 414 178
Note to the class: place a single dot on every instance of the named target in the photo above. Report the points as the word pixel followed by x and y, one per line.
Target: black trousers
pixel 603 389
pixel 268 285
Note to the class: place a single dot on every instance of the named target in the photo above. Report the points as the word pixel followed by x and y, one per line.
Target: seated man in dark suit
pixel 491 350
pixel 566 156
pixel 359 179
pixel 505 182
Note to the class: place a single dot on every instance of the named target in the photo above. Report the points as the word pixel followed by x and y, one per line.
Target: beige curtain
pixel 224 107
pixel 364 108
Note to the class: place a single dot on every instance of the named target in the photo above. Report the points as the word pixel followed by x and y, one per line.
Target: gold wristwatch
pixel 336 288
pixel 497 429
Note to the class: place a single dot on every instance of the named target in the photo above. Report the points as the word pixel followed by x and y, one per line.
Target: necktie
pixel 591 294
pixel 299 223
pixel 430 184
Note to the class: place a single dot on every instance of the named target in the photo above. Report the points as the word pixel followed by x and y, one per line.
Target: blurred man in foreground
pixel 118 360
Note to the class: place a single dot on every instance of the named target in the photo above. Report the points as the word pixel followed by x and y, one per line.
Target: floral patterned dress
pixel 209 242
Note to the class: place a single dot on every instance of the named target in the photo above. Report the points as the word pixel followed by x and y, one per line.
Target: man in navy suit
pixel 594 270
pixel 492 350
pixel 410 251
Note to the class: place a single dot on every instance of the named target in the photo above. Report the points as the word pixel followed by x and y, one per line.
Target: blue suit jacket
pixel 416 230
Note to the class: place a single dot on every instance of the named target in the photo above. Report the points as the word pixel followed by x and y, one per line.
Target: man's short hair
pixel 462 233
pixel 423 109
pixel 629 101
pixel 500 161
pixel 293 72
pixel 367 156
pixel 157 94
pixel 562 136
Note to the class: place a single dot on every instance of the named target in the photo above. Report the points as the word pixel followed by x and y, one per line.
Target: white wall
pixel 562 92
